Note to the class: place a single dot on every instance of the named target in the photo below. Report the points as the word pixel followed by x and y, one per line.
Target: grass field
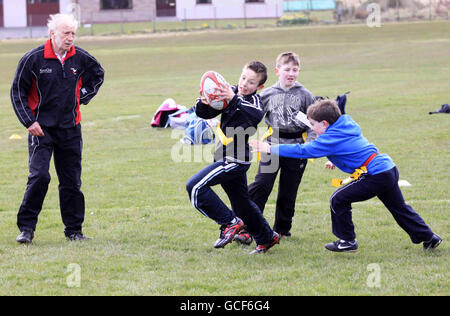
pixel 149 240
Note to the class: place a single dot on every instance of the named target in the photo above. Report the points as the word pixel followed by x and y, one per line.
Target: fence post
pixel 276 13
pixel 245 16
pixel 121 22
pixel 184 18
pixel 92 23
pixel 397 7
pixel 431 7
pixel 30 23
pixel 215 17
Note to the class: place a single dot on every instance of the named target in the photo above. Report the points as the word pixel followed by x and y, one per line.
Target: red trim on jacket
pixel 77 109
pixel 33 97
pixel 50 53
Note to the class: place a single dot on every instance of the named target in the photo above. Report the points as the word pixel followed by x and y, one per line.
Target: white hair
pixel 55 20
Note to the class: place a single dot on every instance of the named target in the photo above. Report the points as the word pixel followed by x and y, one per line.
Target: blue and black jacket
pixel 344 145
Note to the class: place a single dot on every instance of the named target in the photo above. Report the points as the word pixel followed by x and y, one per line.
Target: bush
pixel 299 18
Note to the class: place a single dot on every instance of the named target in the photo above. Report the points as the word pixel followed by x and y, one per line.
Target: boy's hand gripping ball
pixel 209 84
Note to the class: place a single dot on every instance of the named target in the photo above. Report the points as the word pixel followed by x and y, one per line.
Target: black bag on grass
pixel 444 109
pixel 341 101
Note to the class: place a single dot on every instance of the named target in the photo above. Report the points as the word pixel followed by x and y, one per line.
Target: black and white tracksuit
pixel 231 162
pixel 50 91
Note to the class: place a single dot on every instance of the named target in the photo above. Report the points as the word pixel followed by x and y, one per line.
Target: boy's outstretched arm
pixel 259 146
pixel 315 149
pixel 204 111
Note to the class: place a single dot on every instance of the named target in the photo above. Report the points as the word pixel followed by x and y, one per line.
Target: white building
pixel 229 9
pixel 22 13
pixel 105 11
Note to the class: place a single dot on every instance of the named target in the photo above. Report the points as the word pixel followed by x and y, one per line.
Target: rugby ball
pixel 210 83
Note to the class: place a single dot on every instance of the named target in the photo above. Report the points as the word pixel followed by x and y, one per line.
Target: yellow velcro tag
pixel 354 176
pixel 304 136
pixel 267 134
pixel 336 182
pixel 223 138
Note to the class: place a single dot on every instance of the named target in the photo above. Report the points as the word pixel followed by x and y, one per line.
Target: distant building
pixel 95 11
pixel 229 9
pixel 20 13
pixel 107 11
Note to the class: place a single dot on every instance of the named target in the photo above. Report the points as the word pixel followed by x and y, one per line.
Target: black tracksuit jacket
pixel 50 92
pixel 239 121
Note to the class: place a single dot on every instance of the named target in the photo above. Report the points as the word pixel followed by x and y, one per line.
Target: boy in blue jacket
pixel 341 140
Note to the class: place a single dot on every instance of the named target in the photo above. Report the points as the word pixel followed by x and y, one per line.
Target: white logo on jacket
pixel 45 70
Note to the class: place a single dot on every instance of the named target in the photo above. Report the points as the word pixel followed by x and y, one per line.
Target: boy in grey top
pixel 281 104
pixel 281 107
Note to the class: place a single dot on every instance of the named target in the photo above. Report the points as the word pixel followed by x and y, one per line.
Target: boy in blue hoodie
pixel 341 140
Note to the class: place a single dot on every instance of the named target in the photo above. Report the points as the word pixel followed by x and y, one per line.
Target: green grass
pixel 149 240
pixel 127 28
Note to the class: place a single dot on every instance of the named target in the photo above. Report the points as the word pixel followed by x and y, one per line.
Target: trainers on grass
pixel 264 248
pixel 228 231
pixel 432 243
pixel 342 246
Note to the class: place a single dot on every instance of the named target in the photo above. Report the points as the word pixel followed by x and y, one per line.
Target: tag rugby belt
pixel 355 175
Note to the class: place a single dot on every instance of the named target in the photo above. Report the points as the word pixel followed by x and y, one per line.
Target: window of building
pixel 204 1
pixel 166 8
pixel 254 1
pixel 116 4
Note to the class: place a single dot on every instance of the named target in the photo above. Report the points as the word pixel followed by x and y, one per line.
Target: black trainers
pixel 25 237
pixel 342 246
pixel 243 237
pixel 228 231
pixel 77 236
pixel 432 243
pixel 264 248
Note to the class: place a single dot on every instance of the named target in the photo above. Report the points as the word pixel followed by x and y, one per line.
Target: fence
pixel 345 11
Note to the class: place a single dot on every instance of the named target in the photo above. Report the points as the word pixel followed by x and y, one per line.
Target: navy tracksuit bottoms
pixel 66 146
pixel 385 187
pixel 233 179
pixel 291 171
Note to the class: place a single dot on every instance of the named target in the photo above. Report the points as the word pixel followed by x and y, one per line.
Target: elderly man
pixel 50 84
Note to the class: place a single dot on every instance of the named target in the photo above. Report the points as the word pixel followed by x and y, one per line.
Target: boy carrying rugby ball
pixel 232 159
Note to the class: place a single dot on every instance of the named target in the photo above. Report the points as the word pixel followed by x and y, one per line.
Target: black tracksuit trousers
pixel 66 145
pixel 291 172
pixel 385 187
